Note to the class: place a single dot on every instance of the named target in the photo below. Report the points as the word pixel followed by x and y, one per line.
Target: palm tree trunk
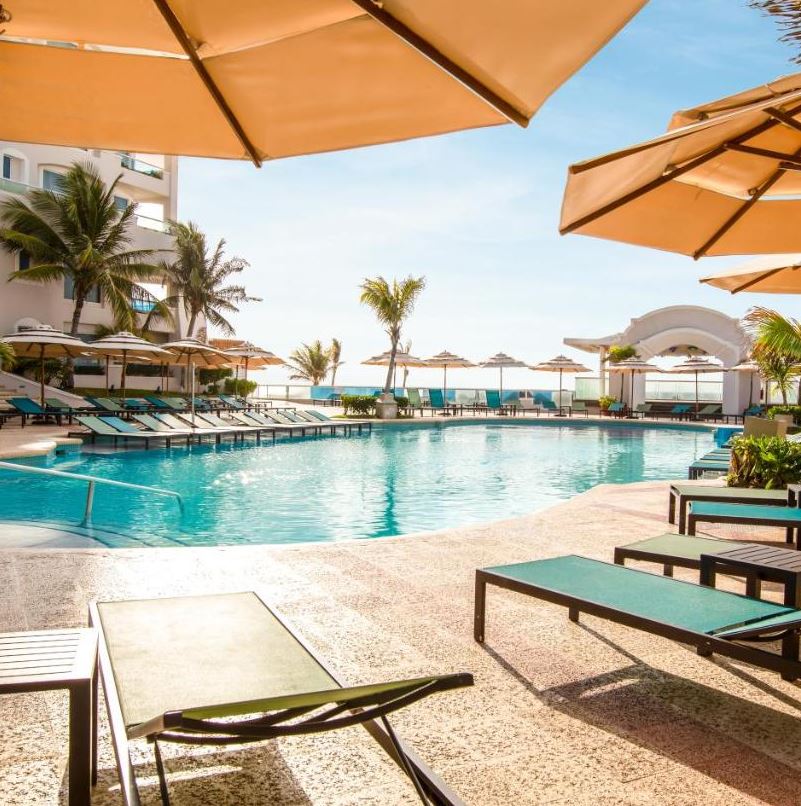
pixel 77 311
pixel 191 327
pixel 391 367
pixel 334 376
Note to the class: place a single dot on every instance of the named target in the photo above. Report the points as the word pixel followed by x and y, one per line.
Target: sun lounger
pixel 28 409
pixel 680 411
pixel 709 464
pixel 712 620
pixel 579 407
pixel 789 518
pixel 116 429
pixel 616 409
pixel 107 404
pixel 711 412
pixel 232 402
pixel 358 424
pixel 227 669
pixel 672 550
pixel 643 410
pixel 182 425
pixel 157 403
pixel 680 496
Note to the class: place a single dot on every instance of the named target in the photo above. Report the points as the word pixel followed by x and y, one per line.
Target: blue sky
pixel 477 213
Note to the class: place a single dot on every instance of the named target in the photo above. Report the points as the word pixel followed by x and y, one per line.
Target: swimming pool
pixel 397 480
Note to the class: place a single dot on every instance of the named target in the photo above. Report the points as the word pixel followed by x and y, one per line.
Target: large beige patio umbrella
pixel 45 342
pixel 724 180
pixel 402 359
pixel 768 274
pixel 253 356
pixel 560 364
pixel 634 366
pixel 749 365
pixel 269 79
pixel 501 360
pixel 126 346
pixel 697 366
pixel 197 352
pixel 444 361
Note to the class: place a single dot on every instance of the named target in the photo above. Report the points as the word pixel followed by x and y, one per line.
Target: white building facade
pixel 148 181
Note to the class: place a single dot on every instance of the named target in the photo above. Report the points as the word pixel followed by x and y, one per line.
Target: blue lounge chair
pixel 617 409
pixel 116 429
pixel 787 518
pixel 550 406
pixel 31 409
pixel 680 411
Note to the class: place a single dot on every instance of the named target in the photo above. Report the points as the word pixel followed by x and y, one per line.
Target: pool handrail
pixel 90 493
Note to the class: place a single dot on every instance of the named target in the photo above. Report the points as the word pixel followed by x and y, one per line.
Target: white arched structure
pixel 681 330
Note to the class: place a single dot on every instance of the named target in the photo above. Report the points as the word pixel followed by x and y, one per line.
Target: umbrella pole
pixel 124 367
pixel 500 392
pixel 445 384
pixel 190 368
pixel 631 397
pixel 246 378
pixel 41 375
pixel 108 359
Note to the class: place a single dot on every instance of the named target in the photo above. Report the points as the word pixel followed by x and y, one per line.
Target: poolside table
pixel 50 660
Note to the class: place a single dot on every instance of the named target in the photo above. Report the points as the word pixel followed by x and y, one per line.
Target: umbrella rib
pixel 189 49
pixel 743 209
pixel 682 169
pixel 783 118
pixel 762 276
pixel 450 67
pixel 764 152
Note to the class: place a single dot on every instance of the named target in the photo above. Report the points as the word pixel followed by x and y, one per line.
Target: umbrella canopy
pixel 749 365
pixel 196 351
pixel 697 366
pixel 126 346
pixel 276 79
pixel 44 342
pixel 634 366
pixel 725 176
pixel 560 364
pixel 444 361
pixel 768 274
pixel 402 359
pixel 252 356
pixel 501 360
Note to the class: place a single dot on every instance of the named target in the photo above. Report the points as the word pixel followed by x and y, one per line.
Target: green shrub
pixel 241 387
pixel 765 462
pixel 605 401
pixel 794 410
pixel 206 375
pixel 358 404
pixel 403 402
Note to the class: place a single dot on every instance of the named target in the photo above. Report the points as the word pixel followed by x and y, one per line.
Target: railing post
pixel 90 498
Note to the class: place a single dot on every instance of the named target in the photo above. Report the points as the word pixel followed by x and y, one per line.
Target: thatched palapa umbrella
pixel 560 364
pixel 44 342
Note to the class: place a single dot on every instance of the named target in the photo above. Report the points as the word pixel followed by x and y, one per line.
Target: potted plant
pixel 605 401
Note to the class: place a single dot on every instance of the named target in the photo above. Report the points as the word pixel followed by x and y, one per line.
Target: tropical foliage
pixel 776 348
pixel 335 354
pixel 788 17
pixel 7 355
pixel 392 304
pixel 766 462
pixel 198 277
pixel 620 352
pixel 77 233
pixel 310 362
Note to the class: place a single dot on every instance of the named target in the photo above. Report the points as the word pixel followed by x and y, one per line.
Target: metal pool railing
pixel 92 480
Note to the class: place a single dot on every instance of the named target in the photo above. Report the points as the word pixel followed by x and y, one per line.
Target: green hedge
pixel 769 463
pixel 359 404
pixel 240 387
pixel 794 410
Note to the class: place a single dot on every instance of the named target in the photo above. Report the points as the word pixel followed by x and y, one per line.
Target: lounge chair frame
pixel 705 644
pixel 679 497
pixel 174 727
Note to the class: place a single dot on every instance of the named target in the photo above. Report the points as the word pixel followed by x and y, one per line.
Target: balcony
pixel 140 166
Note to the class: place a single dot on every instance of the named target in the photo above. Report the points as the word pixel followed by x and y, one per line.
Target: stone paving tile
pixel 560 713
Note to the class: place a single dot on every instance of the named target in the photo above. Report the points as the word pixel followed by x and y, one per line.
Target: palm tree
pixel 407 348
pixel 392 304
pixel 198 278
pixel 777 346
pixel 7 356
pixel 78 233
pixel 788 17
pixel 334 354
pixel 310 362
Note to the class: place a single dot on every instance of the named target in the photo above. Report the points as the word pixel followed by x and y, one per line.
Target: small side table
pixel 757 564
pixel 60 659
pixel 793 495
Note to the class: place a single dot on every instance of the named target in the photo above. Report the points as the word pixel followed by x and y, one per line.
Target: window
pixel 120 202
pixel 23 261
pixel 141 300
pixel 69 291
pixel 6 166
pixel 51 180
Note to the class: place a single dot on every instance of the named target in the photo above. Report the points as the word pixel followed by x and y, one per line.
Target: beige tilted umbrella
pixel 44 342
pixel 724 180
pixel 274 79
pixel 443 361
pixel 253 356
pixel 560 364
pixel 402 359
pixel 501 360
pixel 197 352
pixel 634 366
pixel 698 366
pixel 749 365
pixel 126 346
pixel 768 274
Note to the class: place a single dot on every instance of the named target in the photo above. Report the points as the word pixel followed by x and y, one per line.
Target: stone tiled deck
pixel 560 713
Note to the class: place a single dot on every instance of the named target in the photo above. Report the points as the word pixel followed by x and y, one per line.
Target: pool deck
pixel 589 713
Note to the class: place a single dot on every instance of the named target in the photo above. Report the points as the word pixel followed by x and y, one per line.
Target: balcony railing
pixel 140 166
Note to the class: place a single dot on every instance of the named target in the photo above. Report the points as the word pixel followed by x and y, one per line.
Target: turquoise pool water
pixel 396 481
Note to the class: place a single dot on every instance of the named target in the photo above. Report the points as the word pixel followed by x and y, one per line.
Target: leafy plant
pixel 770 463
pixel 605 401
pixel 7 355
pixel 359 404
pixel 77 233
pixel 620 352
pixel 794 410
pixel 198 278
pixel 788 17
pixel 392 304
pixel 240 388
pixel 205 375
pixel 310 362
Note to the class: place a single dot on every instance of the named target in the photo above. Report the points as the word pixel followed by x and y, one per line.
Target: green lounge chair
pixel 788 518
pixel 579 407
pixel 109 405
pixel 712 620
pixel 671 550
pixel 117 429
pixel 226 669
pixel 714 464
pixel 643 409
pixel 680 496
pixel 713 411
pixel 680 411
pixel 415 401
pixel 28 408
pixel 551 407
